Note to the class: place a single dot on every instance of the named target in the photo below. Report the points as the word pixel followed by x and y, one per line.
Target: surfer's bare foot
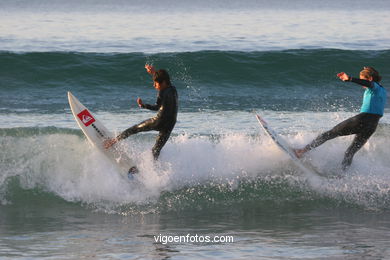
pixel 109 142
pixel 299 152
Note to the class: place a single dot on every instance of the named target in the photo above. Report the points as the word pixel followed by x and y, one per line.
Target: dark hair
pixel 371 72
pixel 162 75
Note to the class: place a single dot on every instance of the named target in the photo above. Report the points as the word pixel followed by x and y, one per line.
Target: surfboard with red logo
pixel 97 133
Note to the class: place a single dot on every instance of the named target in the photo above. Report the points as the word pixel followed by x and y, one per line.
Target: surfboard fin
pixel 133 170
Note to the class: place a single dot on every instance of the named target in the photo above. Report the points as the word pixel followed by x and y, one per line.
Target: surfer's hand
pixel 109 142
pixel 150 69
pixel 343 76
pixel 140 103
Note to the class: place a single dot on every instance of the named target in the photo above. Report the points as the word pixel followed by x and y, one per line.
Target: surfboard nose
pixel 70 97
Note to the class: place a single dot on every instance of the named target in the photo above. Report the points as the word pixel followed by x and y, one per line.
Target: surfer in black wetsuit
pixel 164 121
pixel 362 125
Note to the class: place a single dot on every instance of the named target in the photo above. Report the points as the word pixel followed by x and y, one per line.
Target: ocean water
pixel 219 174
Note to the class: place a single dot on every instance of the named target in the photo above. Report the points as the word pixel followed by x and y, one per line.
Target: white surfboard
pixel 285 147
pixel 97 133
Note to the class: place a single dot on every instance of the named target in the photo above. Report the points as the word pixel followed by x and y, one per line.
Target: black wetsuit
pixel 164 121
pixel 362 125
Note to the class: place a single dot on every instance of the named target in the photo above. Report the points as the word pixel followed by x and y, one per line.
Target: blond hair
pixel 371 72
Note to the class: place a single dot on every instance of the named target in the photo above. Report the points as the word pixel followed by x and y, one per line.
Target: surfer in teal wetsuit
pixel 164 121
pixel 362 125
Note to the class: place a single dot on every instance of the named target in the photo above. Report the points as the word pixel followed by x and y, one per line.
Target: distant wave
pixel 45 69
pixel 280 80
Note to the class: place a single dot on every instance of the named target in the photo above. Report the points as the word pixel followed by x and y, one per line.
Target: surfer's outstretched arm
pixel 155 107
pixel 151 70
pixel 367 77
pixel 150 107
pixel 362 82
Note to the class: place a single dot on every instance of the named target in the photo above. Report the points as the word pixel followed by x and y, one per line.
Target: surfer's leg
pixel 357 143
pixel 360 139
pixel 347 127
pixel 147 125
pixel 161 140
pixel 144 126
pixel 322 138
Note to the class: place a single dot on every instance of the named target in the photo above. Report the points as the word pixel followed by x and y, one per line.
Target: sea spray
pixel 66 165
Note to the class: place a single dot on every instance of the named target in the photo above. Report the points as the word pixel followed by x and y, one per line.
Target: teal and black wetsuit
pixel 164 121
pixel 362 125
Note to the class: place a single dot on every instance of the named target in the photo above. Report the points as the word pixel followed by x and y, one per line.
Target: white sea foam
pixel 66 165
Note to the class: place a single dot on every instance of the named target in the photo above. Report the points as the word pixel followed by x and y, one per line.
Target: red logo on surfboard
pixel 86 117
